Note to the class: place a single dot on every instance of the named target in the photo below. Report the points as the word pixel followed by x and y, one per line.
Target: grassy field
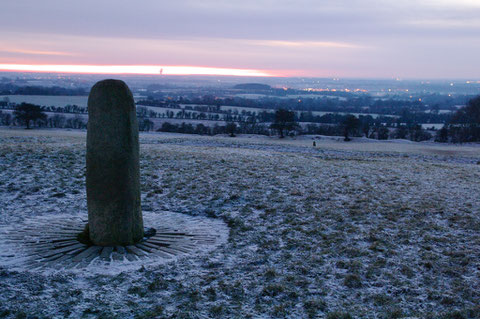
pixel 344 230
pixel 47 100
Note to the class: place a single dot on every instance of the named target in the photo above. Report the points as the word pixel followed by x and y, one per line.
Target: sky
pixel 425 39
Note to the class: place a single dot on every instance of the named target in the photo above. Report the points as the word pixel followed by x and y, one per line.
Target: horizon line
pixel 134 69
pixel 200 71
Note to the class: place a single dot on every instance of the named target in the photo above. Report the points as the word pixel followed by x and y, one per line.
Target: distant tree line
pixel 284 124
pixel 464 125
pixel 365 126
pixel 214 113
pixel 28 115
pixel 352 104
pixel 69 108
pixel 211 109
pixel 229 128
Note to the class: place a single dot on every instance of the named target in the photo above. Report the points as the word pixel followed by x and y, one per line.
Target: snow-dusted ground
pixel 366 229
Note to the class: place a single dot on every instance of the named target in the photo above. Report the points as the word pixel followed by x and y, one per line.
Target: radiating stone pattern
pixel 41 243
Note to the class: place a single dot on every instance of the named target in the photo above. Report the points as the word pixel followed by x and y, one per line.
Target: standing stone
pixel 113 173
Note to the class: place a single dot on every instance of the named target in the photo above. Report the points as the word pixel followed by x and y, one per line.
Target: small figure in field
pixel 314 144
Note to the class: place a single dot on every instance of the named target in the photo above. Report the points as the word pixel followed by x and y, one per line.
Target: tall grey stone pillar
pixel 113 173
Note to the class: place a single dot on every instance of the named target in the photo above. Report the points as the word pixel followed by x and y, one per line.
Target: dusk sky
pixel 329 38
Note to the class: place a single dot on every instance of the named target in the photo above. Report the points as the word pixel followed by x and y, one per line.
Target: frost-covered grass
pixel 346 230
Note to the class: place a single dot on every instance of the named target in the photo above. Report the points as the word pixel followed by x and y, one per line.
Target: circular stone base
pixel 50 242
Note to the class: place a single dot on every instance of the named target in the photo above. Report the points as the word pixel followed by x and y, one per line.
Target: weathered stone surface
pixel 113 176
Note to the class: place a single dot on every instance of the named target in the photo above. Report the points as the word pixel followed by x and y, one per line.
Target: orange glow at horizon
pixel 132 69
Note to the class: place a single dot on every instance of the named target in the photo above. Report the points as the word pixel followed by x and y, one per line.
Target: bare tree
pixel 27 112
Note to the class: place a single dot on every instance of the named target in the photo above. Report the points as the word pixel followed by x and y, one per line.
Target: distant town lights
pixel 333 90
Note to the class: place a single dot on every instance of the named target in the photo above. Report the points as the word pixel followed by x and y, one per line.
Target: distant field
pixel 292 96
pixel 240 109
pixel 60 101
pixel 437 126
pixel 364 229
pixel 43 100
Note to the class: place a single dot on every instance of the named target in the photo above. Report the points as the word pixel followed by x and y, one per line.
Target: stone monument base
pixel 51 242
